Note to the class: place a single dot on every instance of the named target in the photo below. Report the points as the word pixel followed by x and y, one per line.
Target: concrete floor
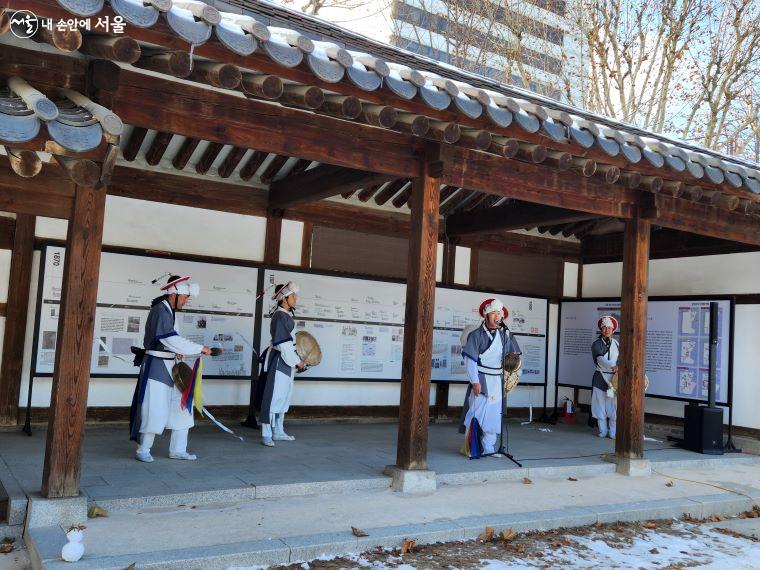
pixel 321 452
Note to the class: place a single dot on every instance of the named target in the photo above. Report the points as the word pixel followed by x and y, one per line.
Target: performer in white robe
pixel 484 355
pixel 156 404
pixel 605 351
pixel 275 385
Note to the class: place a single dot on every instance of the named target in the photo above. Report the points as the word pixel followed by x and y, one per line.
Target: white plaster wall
pixel 462 266
pixel 737 273
pixel 291 240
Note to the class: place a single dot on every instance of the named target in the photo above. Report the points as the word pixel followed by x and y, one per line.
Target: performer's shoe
pixel 144 456
pixel 602 434
pixel 267 442
pixel 611 436
pixel 185 455
pixel 497 454
pixel 283 437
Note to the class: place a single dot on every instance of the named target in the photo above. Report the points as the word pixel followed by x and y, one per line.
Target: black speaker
pixel 703 429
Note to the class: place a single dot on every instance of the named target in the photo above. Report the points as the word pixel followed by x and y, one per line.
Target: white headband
pixel 286 291
pixel 607 322
pixel 182 286
pixel 495 305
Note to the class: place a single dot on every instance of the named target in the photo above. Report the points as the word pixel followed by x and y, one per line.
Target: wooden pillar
pixel 71 375
pixel 15 318
pixel 308 235
pixel 473 267
pixel 629 443
pixel 411 452
pixel 272 239
pixel 449 265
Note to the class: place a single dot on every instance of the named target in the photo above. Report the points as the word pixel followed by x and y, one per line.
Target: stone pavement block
pixel 192 498
pixel 466 478
pixel 721 504
pixel 423 533
pixel 310 547
pixel 645 510
pixel 44 544
pixel 320 487
pixel 563 471
pixel 411 481
pixel 523 522
pixel 258 553
pixel 44 512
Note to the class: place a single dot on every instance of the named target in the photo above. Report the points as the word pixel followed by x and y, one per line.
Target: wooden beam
pixel 46 194
pixel 449 260
pixel 122 49
pixel 534 183
pixel 15 318
pixel 411 452
pixel 706 220
pixel 71 375
pixel 306 243
pixel 226 118
pixel 186 191
pixel 272 240
pixel 230 162
pixel 511 216
pixel 522 244
pixel 473 281
pixel 664 244
pixel 319 183
pixel 629 442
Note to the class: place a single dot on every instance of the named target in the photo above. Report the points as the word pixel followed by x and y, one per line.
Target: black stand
pixel 503 449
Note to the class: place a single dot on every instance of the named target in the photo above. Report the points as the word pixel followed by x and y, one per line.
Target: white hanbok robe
pixel 487 406
pixel 604 407
pixel 162 404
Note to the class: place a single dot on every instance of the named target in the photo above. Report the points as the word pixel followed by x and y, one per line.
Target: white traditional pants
pixel 488 413
pixel 162 409
pixel 604 409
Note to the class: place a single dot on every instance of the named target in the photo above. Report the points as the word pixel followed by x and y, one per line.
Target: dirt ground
pixel 666 544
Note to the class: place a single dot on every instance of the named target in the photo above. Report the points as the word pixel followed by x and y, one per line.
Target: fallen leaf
pixel 650 524
pixel 527 481
pixel 6 548
pixel 507 535
pixel 7 540
pixel 669 484
pixel 654 551
pixel 407 546
pixel 717 518
pixel 131 566
pixel 356 532
pixel 95 511
pixel 487 536
pixel 572 479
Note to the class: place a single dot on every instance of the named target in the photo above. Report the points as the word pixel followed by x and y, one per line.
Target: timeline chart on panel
pixel 359 324
pixel 221 316
pixel 677 347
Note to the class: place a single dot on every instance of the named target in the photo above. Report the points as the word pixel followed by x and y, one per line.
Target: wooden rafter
pixel 318 183
pixel 510 216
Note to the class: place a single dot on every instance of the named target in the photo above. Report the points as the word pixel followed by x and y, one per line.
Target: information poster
pixel 677 349
pixel 359 325
pixel 222 315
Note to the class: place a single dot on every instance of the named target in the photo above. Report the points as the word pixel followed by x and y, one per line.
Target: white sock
pixel 266 429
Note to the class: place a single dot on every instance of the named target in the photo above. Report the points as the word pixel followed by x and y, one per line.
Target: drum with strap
pixel 512 366
pixel 614 382
pixel 182 375
pixel 308 349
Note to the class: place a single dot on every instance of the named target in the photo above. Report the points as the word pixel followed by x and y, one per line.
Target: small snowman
pixel 74 548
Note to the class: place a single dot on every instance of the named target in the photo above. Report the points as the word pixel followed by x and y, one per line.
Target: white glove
pixel 610 392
